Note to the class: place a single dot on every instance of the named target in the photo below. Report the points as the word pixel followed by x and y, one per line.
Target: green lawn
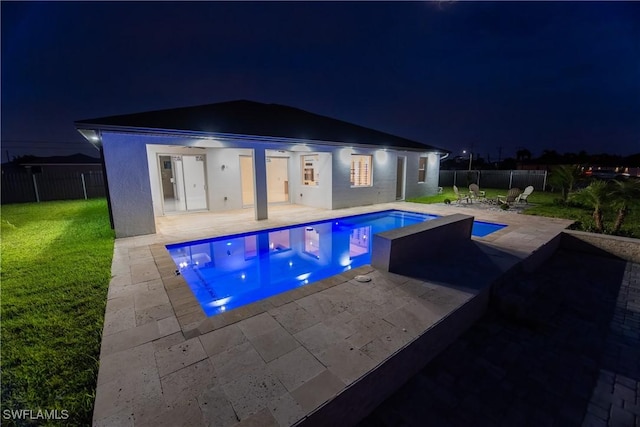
pixel 546 204
pixel 56 261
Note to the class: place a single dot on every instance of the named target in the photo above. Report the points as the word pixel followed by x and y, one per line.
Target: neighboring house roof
pixel 74 159
pixel 257 119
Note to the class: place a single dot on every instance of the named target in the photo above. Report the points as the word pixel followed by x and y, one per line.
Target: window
pixel 422 169
pixel 361 172
pixel 310 173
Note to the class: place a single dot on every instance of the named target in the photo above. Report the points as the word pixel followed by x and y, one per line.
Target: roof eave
pixel 93 134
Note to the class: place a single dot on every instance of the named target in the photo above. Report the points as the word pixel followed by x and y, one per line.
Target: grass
pixel 546 204
pixel 56 262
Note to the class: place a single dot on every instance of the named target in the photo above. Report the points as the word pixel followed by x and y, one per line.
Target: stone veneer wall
pixel 602 244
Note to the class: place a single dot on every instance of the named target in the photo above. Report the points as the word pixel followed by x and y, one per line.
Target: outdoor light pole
pixel 470 157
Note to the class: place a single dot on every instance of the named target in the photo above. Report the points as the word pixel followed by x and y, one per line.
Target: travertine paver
pixel 216 408
pixel 296 367
pixel 222 339
pixel 129 338
pixel 253 391
pixel 274 361
pixel 121 319
pixel 286 410
pixel 346 361
pixel 293 317
pixel 258 325
pixel 179 356
pixel 567 354
pixel 319 337
pixel 317 390
pixel 273 344
pixel 237 361
pixel 128 379
pixel 188 382
pixel 379 348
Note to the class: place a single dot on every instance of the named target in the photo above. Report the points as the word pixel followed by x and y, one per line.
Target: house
pixel 243 154
pixel 73 163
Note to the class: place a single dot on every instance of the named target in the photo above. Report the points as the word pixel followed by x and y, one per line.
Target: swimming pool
pixel 231 271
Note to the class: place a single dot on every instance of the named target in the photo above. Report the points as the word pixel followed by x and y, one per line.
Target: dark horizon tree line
pixel 545 160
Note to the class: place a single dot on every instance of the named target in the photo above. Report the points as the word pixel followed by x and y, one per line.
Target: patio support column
pixel 260 183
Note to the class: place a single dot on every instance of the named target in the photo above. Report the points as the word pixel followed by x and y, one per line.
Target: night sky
pixel 458 75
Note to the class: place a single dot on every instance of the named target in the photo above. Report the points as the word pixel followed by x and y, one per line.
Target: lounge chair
pixel 525 194
pixel 511 196
pixel 475 193
pixel 459 195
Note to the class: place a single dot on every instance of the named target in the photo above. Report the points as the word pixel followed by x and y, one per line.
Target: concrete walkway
pixel 163 362
pixel 568 355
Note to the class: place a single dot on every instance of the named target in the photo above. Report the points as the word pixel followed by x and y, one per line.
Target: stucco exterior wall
pixel 315 196
pixel 136 194
pixel 383 172
pixel 129 185
pixel 384 177
pixel 225 182
pixel 430 185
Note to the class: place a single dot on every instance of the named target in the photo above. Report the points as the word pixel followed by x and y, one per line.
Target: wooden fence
pixel 23 187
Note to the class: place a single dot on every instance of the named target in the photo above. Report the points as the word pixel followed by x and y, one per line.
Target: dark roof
pixel 76 159
pixel 258 119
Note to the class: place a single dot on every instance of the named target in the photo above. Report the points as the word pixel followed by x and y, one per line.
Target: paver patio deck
pixel 569 357
pixel 275 362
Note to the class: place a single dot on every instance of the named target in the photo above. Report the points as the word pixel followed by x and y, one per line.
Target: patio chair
pixel 460 196
pixel 476 193
pixel 525 194
pixel 511 196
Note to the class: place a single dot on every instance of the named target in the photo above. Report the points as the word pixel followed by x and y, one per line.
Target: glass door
pixel 183 182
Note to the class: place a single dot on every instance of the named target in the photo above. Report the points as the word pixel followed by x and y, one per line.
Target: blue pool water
pixel 232 271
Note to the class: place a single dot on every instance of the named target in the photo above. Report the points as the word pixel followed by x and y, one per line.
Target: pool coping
pixel 192 319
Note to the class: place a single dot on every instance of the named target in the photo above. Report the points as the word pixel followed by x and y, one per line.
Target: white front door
pixel 277 179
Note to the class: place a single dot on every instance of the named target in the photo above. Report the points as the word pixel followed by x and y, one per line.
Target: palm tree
pixel 564 177
pixel 596 195
pixel 624 195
